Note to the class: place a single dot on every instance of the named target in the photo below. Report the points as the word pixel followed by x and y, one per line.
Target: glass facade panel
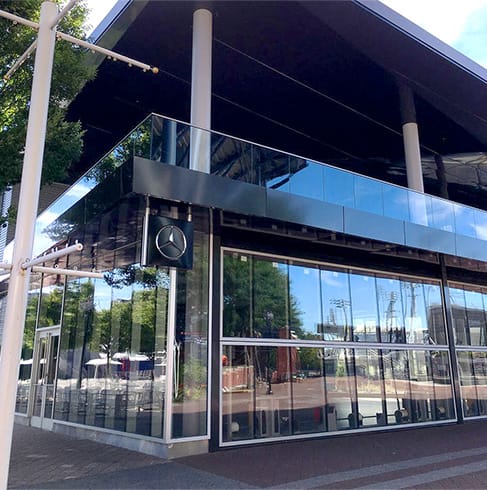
pixel 420 208
pixel 335 298
pixel 431 396
pixel 51 301
pixel 232 158
pixel 190 383
pixel 364 308
pixel 396 202
pixel 305 304
pixel 423 313
pixel 256 392
pixel 479 369
pixel 308 390
pixel 306 178
pixel 26 360
pixel 273 169
pixel 476 320
pixel 469 315
pixel 288 387
pixel 112 358
pixel 339 187
pixel 464 220
pixel 341 389
pixel 443 214
pixel 368 195
pixel 256 299
pixel 391 311
pixel 480 220
pixel 397 385
pixel 470 397
pixel 373 406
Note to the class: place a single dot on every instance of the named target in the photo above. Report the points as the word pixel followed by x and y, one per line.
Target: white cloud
pixel 445 19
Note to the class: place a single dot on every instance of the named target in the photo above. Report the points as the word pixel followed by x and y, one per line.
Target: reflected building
pixel 283 269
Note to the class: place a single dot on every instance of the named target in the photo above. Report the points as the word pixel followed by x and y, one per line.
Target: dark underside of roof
pixel 318 79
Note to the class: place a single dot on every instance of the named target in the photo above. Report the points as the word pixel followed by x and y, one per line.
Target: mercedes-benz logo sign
pixel 171 242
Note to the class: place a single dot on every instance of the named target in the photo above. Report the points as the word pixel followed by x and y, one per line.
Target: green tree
pixel 64 141
pixel 256 299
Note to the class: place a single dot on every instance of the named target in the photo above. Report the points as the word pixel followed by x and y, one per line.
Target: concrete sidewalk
pixel 453 456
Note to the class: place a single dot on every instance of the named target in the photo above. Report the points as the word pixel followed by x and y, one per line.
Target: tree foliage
pixel 256 300
pixel 64 139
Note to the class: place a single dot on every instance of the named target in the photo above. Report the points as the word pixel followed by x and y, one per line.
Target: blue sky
pixel 460 23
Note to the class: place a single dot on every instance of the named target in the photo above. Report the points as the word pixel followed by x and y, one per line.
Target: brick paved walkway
pixel 452 456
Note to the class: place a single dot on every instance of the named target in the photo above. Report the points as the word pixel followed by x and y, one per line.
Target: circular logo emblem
pixel 171 242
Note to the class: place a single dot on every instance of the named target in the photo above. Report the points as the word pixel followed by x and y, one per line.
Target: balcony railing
pixel 169 141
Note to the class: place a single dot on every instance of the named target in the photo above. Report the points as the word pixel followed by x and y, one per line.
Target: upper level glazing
pixel 168 141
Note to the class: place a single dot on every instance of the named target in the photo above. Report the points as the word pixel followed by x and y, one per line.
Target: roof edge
pixel 422 36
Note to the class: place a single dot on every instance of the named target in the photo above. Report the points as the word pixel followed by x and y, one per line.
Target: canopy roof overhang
pixel 318 79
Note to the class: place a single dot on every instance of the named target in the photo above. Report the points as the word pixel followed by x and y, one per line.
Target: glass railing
pixel 169 141
pixel 248 162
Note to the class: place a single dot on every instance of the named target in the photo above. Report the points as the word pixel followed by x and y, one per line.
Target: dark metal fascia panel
pixel 363 224
pixel 304 211
pixel 180 184
pixel 428 238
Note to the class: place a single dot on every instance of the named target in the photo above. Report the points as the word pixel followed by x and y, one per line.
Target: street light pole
pixel 24 231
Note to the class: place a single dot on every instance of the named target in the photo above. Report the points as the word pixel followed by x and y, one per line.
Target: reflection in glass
pixel 420 208
pixel 464 220
pixel 472 367
pixel 190 383
pixel 256 392
pixel 391 312
pixel 339 187
pixel 304 296
pixel 25 365
pixel 341 390
pixel 480 220
pixel 306 178
pixel 396 203
pixel 273 168
pixel 423 313
pixel 368 195
pixel 469 316
pixel 112 357
pixel 308 390
pixel 364 308
pixel 256 298
pixel 373 406
pixel 232 158
pixel 442 213
pixel 279 391
pixel 335 294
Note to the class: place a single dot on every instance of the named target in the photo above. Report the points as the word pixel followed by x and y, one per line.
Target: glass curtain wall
pixel 26 359
pixel 468 305
pixel 190 346
pixel 116 344
pixel 112 359
pixel 308 348
pixel 44 304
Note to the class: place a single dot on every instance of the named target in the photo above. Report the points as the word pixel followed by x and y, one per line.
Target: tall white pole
pixel 24 233
pixel 201 90
pixel 412 151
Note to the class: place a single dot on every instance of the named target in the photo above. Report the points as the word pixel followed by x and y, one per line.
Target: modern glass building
pixel 306 256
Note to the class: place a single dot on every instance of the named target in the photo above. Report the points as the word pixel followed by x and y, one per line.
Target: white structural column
pixel 411 139
pixel 24 233
pixel 201 90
